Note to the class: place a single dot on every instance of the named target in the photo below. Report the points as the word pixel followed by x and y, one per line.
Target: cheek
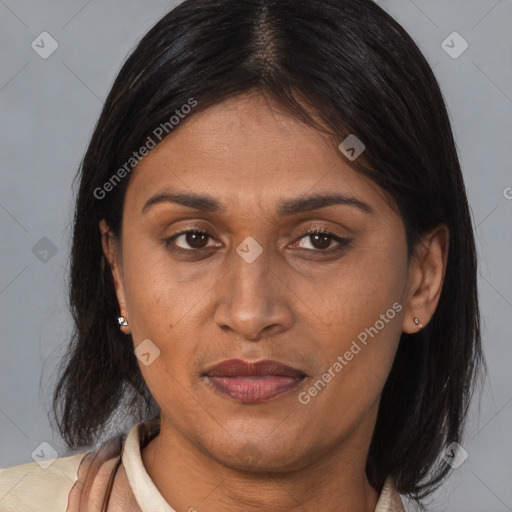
pixel 362 308
pixel 158 292
pixel 366 285
pixel 160 308
pixel 164 305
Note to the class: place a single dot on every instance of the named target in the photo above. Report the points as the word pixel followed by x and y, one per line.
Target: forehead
pixel 244 150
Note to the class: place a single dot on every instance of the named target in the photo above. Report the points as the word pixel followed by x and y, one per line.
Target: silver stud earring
pixel 417 322
pixel 121 320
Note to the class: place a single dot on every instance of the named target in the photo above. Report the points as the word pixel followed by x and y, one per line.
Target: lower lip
pixel 254 389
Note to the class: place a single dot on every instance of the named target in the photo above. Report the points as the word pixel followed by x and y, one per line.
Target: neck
pixel 189 478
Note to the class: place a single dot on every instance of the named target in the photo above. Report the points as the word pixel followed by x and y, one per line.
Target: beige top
pixel 84 482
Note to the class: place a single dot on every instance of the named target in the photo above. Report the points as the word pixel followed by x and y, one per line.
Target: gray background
pixel 48 111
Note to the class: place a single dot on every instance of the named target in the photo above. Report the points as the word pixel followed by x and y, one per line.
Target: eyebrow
pixel 285 207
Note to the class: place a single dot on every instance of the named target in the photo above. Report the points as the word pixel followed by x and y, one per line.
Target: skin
pixel 292 304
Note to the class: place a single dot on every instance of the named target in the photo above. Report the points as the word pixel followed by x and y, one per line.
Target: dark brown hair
pixel 359 72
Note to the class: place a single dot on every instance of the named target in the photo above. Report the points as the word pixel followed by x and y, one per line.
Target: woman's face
pixel 259 287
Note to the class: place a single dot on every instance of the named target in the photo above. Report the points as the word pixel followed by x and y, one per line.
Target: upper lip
pixel 240 368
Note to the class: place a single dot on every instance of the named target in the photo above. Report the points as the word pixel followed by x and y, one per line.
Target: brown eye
pixel 320 241
pixel 196 240
pixel 189 240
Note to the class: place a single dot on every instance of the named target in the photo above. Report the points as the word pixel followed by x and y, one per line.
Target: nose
pixel 254 300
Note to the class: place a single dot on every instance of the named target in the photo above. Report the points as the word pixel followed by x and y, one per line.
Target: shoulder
pixel 33 487
pixel 63 483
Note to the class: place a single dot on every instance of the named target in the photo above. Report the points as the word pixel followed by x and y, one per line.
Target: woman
pixel 273 271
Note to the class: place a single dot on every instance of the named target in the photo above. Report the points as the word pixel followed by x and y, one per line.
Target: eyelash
pixel 342 242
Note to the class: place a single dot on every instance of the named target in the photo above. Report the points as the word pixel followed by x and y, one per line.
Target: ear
pixel 112 255
pixel 427 269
